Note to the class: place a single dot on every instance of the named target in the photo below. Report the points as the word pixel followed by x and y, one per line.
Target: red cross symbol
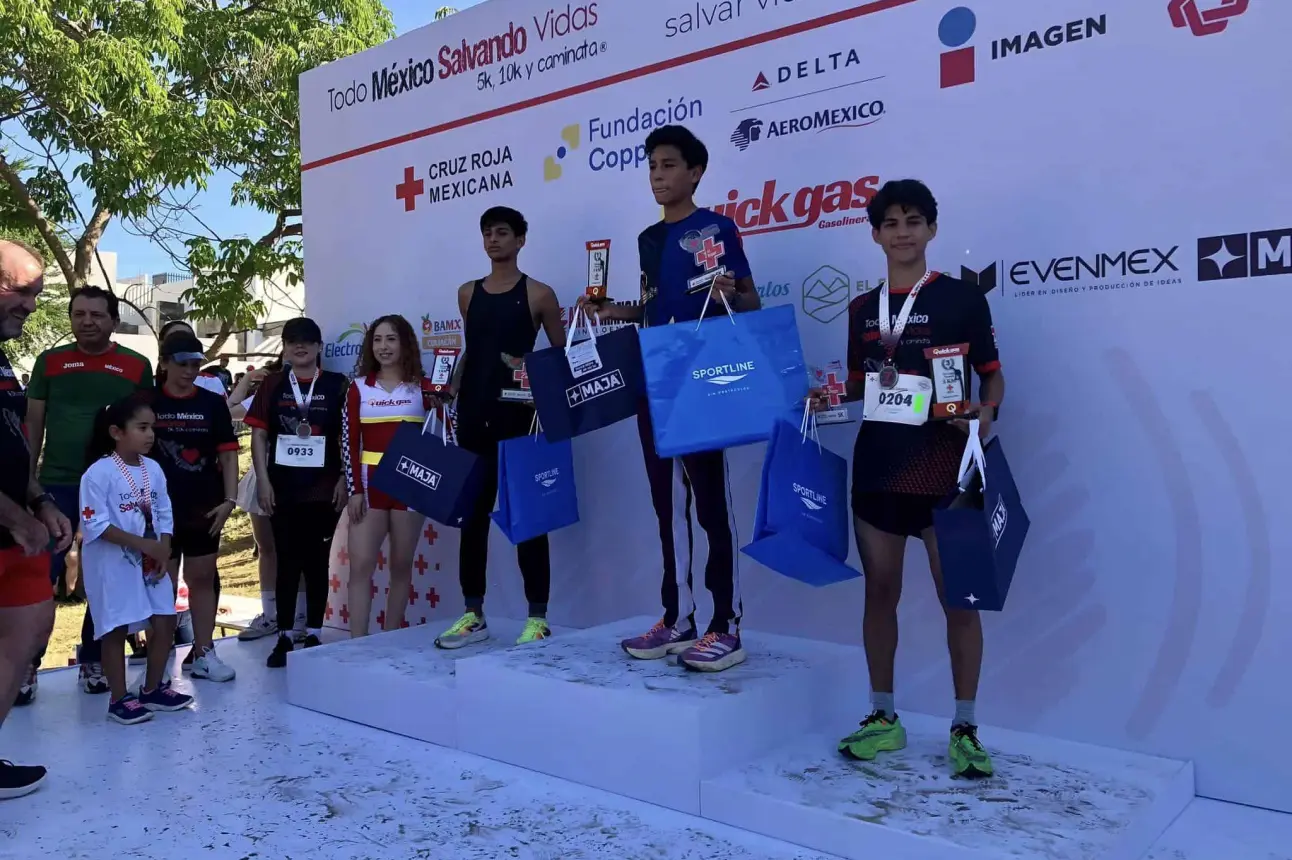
pixel 381 619
pixel 522 377
pixel 409 190
pixel 343 556
pixel 335 582
pixel 421 564
pixel 710 253
pixel 430 534
pixel 833 389
pixel 433 599
pixel 381 561
pixel 412 596
pixel 327 612
pixel 403 624
pixel 345 613
pixel 88 512
pixel 374 589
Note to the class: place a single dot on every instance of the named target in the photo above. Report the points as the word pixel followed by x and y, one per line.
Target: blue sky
pixel 140 256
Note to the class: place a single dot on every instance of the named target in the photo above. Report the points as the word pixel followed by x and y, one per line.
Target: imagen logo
pixel 958 26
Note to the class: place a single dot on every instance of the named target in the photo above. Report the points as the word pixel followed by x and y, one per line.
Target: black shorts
pixel 903 514
pixel 193 541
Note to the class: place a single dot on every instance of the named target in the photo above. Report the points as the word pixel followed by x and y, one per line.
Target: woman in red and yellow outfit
pixel 389 388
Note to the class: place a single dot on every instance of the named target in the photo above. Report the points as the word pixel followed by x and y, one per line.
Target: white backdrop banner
pixel 1114 175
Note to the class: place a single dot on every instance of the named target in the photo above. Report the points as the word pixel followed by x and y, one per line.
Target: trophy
pixel 521 393
pixel 707 251
pixel 443 361
pixel 950 385
pixel 830 380
pixel 598 269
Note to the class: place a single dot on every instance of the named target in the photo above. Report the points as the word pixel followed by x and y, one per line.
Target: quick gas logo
pixel 841 203
pixel 591 389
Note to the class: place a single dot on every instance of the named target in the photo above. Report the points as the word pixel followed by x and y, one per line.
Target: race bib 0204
pixel 907 402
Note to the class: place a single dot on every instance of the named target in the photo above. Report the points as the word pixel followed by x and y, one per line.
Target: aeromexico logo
pixel 548 478
pixel 811 499
pixel 723 375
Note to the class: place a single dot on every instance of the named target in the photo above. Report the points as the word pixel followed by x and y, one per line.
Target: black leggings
pixel 303 536
pixel 480 436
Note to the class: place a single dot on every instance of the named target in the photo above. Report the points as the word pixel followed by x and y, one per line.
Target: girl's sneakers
pixel 164 698
pixel 128 711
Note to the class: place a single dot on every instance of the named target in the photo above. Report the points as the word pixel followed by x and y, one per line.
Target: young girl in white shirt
pixel 126 528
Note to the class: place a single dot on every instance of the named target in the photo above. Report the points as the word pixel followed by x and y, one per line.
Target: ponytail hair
pixel 117 414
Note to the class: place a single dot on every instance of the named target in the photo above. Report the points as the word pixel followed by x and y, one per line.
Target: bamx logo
pixel 774 209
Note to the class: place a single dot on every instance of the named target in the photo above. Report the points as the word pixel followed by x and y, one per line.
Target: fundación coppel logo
pixel 552 169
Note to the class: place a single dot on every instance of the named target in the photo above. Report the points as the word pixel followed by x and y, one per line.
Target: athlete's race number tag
pixel 300 453
pixel 907 402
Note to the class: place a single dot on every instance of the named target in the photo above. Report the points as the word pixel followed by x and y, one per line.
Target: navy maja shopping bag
pixel 801 527
pixel 429 473
pixel 980 529
pixel 587 385
pixel 536 492
pixel 722 382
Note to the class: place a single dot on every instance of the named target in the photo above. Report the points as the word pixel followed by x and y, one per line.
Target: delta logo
pixel 441 333
pixel 830 204
pixel 957 28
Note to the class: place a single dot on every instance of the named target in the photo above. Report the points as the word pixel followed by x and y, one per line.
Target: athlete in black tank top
pixel 501 316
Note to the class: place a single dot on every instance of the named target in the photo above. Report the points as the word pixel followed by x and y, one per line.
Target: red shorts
pixel 377 500
pixel 24 580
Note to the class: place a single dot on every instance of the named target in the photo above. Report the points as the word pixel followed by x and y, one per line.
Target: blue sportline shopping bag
pixel 536 493
pixel 802 521
pixel 429 473
pixel 980 529
pixel 589 385
pixel 722 382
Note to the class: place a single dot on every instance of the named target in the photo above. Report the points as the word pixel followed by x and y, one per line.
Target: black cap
pixel 302 330
pixel 182 346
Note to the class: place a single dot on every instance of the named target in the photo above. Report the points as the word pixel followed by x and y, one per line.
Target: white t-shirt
pixel 114 579
pixel 210 383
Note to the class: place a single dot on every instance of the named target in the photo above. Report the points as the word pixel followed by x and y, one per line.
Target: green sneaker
pixel 466 630
pixel 535 629
pixel 968 758
pixel 877 734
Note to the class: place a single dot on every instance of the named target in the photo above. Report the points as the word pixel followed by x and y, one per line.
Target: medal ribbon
pixel 303 402
pixel 890 333
pixel 145 498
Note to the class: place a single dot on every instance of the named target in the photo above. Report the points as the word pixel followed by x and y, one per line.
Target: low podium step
pixel 578 707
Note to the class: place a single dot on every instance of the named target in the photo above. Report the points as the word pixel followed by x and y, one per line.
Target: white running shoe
pixel 210 667
pixel 259 628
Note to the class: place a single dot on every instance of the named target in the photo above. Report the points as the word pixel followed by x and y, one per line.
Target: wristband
pixel 34 504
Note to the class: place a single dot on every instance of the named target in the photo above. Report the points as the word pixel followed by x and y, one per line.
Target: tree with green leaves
pixel 126 109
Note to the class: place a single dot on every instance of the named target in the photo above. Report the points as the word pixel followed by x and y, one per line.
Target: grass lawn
pixel 237 576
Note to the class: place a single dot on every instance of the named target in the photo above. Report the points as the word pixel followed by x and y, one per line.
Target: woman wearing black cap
pixel 296 450
pixel 198 452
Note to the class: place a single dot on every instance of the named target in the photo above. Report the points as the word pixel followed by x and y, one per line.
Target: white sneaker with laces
pixel 209 666
pixel 259 628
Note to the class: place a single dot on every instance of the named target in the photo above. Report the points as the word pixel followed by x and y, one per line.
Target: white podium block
pixel 398 681
pixel 578 707
pixel 1049 799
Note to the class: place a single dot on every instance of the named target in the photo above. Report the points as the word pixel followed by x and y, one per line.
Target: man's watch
pixel 34 504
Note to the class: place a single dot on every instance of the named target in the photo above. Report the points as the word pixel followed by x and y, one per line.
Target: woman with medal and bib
pixel 296 449
pixel 908 449
pixel 389 389
pixel 126 528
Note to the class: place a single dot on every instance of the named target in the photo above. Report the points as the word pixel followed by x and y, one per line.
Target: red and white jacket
pixel 370 419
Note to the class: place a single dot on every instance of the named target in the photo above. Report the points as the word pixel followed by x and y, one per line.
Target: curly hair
pixel 410 351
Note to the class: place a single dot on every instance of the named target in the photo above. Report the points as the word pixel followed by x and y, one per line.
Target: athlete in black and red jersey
pixel 903 464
